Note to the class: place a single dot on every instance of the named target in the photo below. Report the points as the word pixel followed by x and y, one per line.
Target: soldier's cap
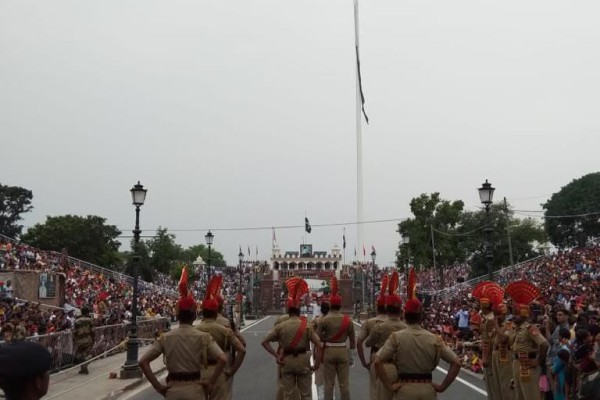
pixel 23 360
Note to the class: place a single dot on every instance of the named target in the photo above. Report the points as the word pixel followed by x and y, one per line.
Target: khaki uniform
pixel 224 321
pixel 487 329
pixel 365 331
pixel 296 372
pixel 319 375
pixel 83 339
pixel 279 394
pixel 224 338
pixel 186 351
pixel 524 345
pixel 502 362
pixel 380 333
pixel 335 354
pixel 417 352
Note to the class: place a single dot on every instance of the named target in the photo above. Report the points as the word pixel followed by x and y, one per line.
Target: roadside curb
pixel 131 386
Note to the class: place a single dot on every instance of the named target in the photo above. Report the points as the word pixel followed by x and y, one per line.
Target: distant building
pixel 306 263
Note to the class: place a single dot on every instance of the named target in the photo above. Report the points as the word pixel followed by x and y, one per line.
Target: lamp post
pixel 240 291
pixel 131 368
pixel 486 195
pixel 209 241
pixel 406 242
pixel 373 256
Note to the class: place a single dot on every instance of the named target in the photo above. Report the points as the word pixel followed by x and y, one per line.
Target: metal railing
pixel 104 271
pixel 501 273
pixel 61 345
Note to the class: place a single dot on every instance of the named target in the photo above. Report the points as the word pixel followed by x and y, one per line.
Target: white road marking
pixel 470 385
pixel 255 323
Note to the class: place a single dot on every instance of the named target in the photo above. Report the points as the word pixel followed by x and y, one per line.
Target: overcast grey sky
pixel 242 113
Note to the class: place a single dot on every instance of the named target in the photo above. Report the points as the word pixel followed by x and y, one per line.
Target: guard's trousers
pixel 382 392
pixel 336 364
pixel 219 389
pixel 416 391
pixel 185 391
pixel 526 388
pixel 503 374
pixel 296 377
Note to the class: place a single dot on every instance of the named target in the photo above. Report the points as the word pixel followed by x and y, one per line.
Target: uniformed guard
pixel 221 319
pixel 226 340
pixel 366 330
pixel 487 330
pixel 319 376
pixel 279 394
pixel 24 370
pixel 416 353
pixel 382 331
pixel 335 330
pixel 187 351
pixel 528 344
pixel 294 337
pixel 501 355
pixel 83 338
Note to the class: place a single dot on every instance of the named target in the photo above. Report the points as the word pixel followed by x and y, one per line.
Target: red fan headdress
pixel 413 305
pixel 522 293
pixel 335 299
pixel 494 293
pixel 393 299
pixel 382 293
pixel 478 289
pixel 297 288
pixel 217 289
pixel 211 301
pixel 186 300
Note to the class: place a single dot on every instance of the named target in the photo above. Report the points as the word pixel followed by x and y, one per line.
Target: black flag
pixel 362 96
pixel 307 225
pixel 344 237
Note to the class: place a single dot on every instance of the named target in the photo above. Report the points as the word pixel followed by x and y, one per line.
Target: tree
pixel 580 198
pixel 14 201
pixel 144 268
pixel 191 253
pixel 526 234
pixel 443 215
pixel 164 251
pixel 458 235
pixel 87 238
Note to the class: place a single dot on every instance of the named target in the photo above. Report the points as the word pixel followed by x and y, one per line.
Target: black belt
pixel 212 362
pixel 294 352
pixel 530 355
pixel 183 376
pixel 374 349
pixel 414 376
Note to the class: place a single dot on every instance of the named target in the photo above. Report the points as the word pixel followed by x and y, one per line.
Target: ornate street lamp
pixel 209 241
pixel 131 368
pixel 486 195
pixel 240 291
pixel 373 256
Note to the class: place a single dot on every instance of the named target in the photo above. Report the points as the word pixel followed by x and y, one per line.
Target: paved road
pixel 256 378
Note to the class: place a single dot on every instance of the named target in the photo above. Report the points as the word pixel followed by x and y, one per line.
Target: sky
pixel 241 114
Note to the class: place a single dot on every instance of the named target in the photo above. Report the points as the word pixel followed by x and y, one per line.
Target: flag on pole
pixel 307 226
pixel 274 240
pixel 248 251
pixel 241 250
pixel 364 251
pixel 257 252
pixel 362 96
pixel 344 239
pixel 373 249
pixel 354 251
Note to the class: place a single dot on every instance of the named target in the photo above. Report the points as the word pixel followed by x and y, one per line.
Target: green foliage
pixel 145 271
pixel 14 201
pixel 87 238
pixel 164 251
pixel 191 253
pixel 444 216
pixel 581 196
pixel 459 235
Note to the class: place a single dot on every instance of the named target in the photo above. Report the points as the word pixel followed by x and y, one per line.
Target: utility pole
pixel 509 241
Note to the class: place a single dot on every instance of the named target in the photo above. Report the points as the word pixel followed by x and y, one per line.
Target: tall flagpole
pixel 359 161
